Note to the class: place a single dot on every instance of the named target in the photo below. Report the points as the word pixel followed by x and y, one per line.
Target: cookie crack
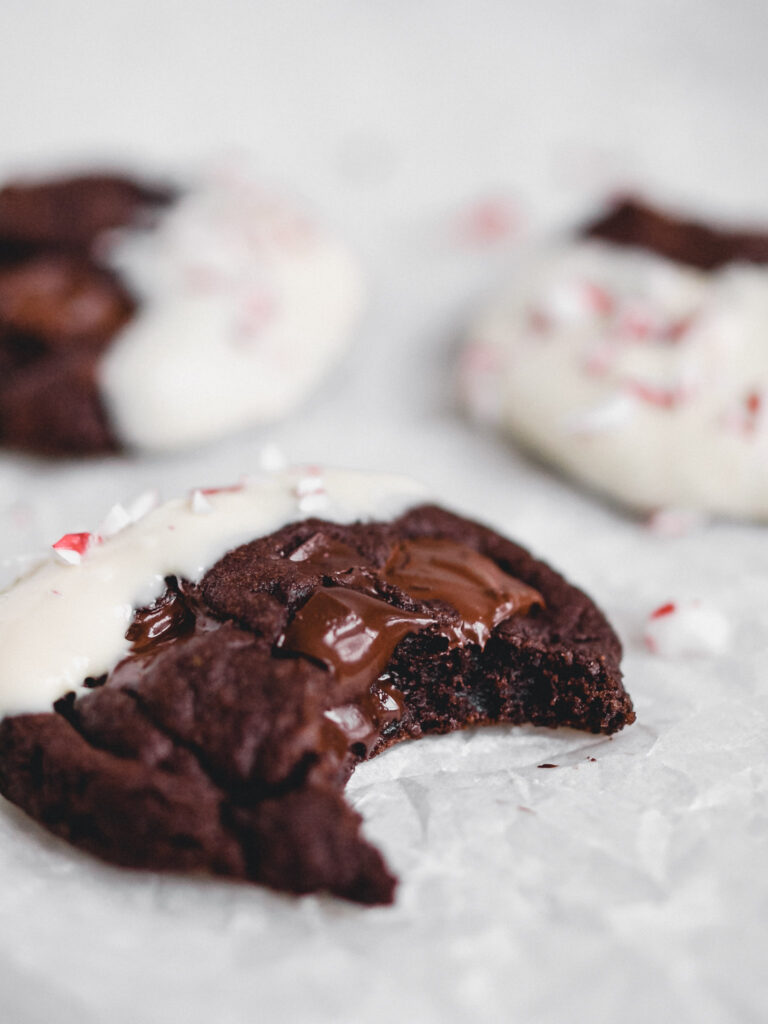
pixel 244 794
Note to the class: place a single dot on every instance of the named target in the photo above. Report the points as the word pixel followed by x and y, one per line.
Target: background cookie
pixel 145 318
pixel 215 728
pixel 633 356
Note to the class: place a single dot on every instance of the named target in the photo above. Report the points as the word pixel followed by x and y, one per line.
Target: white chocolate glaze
pixel 644 378
pixel 242 306
pixel 64 622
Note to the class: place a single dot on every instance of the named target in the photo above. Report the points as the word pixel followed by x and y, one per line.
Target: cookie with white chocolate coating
pixel 142 317
pixel 633 357
pixel 215 726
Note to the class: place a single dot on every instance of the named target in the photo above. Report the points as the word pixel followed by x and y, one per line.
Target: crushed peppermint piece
pixel 574 301
pixel 310 491
pixel 662 396
pixel 598 298
pixel 674 522
pixel 608 415
pixel 686 627
pixel 675 330
pixel 753 403
pixel 72 546
pixel 664 609
pixel 745 417
pixel 143 505
pixel 229 489
pixel 638 323
pixel 489 220
pixel 314 502
pixel 199 503
pixel 115 520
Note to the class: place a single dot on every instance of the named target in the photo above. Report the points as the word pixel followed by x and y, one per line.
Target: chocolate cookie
pixel 633 356
pixel 142 317
pixel 218 730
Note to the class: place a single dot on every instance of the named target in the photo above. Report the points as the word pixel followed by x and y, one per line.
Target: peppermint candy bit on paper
pixel 686 627
pixel 675 522
pixel 538 321
pixel 753 403
pixel 490 220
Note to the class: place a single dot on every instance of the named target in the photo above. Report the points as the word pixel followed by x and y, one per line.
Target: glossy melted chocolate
pixel 433 569
pixel 338 562
pixel 353 632
pixel 171 616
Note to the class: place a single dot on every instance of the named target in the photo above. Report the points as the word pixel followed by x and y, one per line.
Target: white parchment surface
pixel 628 883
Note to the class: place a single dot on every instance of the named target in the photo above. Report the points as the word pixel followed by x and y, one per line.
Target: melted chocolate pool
pixel 347 627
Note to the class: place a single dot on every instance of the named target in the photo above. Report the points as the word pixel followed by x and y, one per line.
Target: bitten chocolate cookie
pixel 140 317
pixel 634 357
pixel 210 675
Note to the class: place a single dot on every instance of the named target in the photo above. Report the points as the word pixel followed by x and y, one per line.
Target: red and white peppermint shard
pixel 115 520
pixel 572 302
pixel 72 546
pixel 229 489
pixel 199 504
pixel 675 522
pixel 747 416
pixel 490 220
pixel 686 627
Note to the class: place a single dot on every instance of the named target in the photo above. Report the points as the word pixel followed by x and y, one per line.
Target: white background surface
pixel 627 888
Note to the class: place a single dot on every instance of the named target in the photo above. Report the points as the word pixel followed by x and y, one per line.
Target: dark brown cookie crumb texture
pixel 210 746
pixel 59 308
pixel 633 223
